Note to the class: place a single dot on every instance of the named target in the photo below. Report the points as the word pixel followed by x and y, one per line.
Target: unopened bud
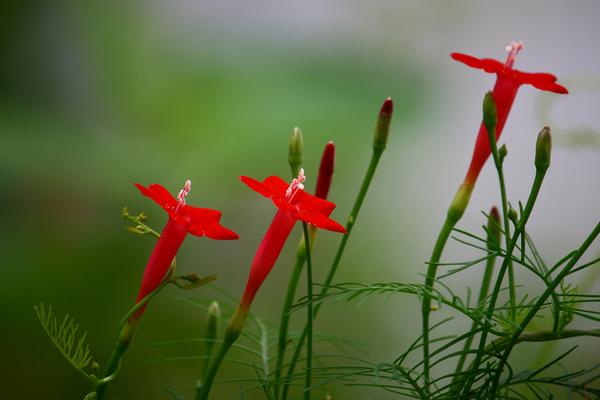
pixel 502 152
pixel 493 230
pixel 325 171
pixel 213 314
pixel 543 148
pixel 490 118
pixel 382 129
pixel 212 320
pixel 513 215
pixel 296 147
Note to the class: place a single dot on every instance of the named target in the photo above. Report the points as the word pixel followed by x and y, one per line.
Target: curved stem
pixel 438 249
pixel 375 157
pixel 126 330
pixel 114 363
pixel 309 317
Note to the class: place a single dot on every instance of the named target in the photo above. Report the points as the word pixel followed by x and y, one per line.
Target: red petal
pixel 283 204
pixel 312 204
pixel 255 185
pixel 320 221
pixel 199 215
pixel 272 187
pixel 159 194
pixel 214 231
pixel 541 80
pixel 486 64
pixel 277 185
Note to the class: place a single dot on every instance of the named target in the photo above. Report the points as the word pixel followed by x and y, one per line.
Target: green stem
pixel 483 292
pixel 491 130
pixel 309 317
pixel 539 304
pixel 438 249
pixel 285 313
pixel 336 261
pixel 236 324
pixel 214 367
pixel 541 336
pixel 126 330
pixel 114 363
pixel 535 189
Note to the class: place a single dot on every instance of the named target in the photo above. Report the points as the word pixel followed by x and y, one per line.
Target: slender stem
pixel 236 325
pixel 309 317
pixel 535 189
pixel 114 363
pixel 541 336
pixel 483 292
pixel 214 367
pixel 126 330
pixel 285 313
pixel 491 130
pixel 336 261
pixel 540 303
pixel 438 249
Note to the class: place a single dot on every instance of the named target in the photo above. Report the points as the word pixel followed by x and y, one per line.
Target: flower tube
pixel 183 219
pixel 508 82
pixel 293 204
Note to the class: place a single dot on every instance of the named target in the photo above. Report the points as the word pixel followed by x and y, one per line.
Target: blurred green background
pixel 97 95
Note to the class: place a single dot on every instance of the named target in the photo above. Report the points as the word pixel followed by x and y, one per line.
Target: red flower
pixel 293 204
pixel 183 219
pixel 508 81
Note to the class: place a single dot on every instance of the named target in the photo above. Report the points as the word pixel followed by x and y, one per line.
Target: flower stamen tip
pixel 183 193
pixel 513 50
pixel 297 184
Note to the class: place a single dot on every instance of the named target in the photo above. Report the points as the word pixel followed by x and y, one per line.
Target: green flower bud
pixel 490 118
pixel 502 152
pixel 212 320
pixel 513 215
pixel 543 148
pixel 382 129
pixel 493 230
pixel 296 147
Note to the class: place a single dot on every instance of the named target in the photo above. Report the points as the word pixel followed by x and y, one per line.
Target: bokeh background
pixel 97 95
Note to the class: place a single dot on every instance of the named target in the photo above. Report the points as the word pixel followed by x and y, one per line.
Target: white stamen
pixel 513 49
pixel 183 193
pixel 296 185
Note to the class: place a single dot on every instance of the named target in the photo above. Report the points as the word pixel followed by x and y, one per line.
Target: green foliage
pixel 65 337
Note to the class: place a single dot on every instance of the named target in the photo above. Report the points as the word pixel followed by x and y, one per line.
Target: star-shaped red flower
pixel 293 204
pixel 508 81
pixel 300 205
pixel 183 219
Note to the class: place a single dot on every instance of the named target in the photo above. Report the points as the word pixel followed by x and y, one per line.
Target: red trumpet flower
pixel 508 81
pixel 293 204
pixel 183 219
